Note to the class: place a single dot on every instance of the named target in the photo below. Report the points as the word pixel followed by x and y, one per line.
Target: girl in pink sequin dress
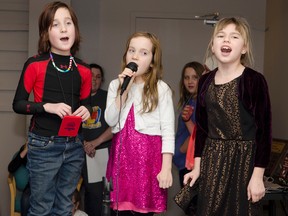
pixel 142 121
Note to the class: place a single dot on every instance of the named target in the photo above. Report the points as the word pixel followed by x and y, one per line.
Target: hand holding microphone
pixel 133 67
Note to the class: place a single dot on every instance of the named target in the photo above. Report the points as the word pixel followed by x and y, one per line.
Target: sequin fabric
pixel 227 160
pixel 134 162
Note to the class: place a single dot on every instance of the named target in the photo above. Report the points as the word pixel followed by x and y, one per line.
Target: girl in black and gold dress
pixel 233 138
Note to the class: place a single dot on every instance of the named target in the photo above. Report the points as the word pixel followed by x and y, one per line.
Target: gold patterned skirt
pixel 227 168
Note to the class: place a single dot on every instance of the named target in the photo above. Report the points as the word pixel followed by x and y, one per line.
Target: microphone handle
pixel 125 84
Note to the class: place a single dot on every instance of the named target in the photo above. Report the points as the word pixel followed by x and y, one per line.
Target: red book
pixel 70 126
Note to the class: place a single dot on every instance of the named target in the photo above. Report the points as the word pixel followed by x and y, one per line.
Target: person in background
pixel 190 75
pixel 20 160
pixel 97 137
pixel 233 116
pixel 61 86
pixel 76 199
pixel 142 120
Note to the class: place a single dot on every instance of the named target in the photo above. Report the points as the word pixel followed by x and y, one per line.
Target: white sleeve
pixel 167 118
pixel 111 112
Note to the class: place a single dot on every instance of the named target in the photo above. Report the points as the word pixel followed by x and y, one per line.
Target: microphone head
pixel 132 66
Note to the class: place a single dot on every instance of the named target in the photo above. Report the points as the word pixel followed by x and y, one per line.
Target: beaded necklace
pixel 60 70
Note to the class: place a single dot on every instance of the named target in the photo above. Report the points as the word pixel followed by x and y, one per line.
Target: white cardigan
pixel 159 122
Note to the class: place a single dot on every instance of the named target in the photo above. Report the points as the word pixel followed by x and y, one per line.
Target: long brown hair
pixel 45 23
pixel 150 92
pixel 244 29
pixel 184 94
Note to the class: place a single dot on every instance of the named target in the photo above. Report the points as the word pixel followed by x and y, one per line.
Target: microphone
pixel 132 66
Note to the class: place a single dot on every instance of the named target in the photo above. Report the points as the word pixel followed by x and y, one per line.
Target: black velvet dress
pixel 228 156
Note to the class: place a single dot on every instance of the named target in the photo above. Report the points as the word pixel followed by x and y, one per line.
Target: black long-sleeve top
pixel 254 95
pixel 51 86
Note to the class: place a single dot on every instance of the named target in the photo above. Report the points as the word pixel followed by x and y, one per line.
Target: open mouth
pixel 226 49
pixel 191 88
pixel 64 39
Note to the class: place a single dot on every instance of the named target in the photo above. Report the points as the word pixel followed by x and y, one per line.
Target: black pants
pixel 25 204
pixel 93 195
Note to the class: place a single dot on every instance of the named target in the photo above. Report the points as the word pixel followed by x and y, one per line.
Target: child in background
pixel 142 120
pixel 97 137
pixel 61 86
pixel 233 115
pixel 190 75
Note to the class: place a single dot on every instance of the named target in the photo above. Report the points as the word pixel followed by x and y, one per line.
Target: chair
pixel 79 183
pixel 17 183
pixel 14 210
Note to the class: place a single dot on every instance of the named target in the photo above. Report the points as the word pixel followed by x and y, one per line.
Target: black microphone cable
pixel 118 158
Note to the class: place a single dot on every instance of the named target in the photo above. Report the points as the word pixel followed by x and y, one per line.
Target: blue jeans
pixel 54 165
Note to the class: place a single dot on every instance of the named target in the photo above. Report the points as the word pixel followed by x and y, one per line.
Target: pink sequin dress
pixel 134 163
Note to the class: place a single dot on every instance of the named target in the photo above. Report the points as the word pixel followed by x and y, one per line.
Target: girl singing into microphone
pixel 142 120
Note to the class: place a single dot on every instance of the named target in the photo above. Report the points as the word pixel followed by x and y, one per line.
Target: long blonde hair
pixel 244 29
pixel 150 92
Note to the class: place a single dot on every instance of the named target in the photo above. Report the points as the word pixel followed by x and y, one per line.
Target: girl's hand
pixel 83 112
pixel 256 188
pixel 187 113
pixel 193 175
pixel 126 73
pixel 60 109
pixel 165 178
